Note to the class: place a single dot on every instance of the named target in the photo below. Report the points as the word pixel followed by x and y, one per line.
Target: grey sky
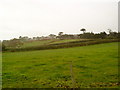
pixel 43 17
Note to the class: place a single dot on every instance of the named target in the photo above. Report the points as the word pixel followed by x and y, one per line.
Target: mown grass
pixel 93 66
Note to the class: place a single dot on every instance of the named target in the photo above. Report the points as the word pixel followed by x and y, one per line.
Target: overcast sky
pixel 43 17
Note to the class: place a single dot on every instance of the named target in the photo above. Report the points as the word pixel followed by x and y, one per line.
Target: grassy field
pixel 87 66
pixel 66 41
pixel 47 42
pixel 57 44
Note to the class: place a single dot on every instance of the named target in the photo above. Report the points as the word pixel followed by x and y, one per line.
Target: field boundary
pixel 63 45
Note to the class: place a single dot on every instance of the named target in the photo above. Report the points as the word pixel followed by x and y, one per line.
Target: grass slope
pixel 69 44
pixel 66 41
pixel 36 43
pixel 47 42
pixel 93 66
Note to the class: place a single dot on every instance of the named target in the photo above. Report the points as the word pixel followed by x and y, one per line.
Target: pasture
pixel 80 67
pixel 47 42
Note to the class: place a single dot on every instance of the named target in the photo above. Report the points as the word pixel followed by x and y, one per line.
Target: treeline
pixel 91 35
pixel 101 35
pixel 18 42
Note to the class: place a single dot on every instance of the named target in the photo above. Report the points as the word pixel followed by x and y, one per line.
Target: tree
pixel 14 43
pixel 66 36
pixel 113 35
pixel 20 37
pixel 3 47
pixel 110 31
pixel 87 35
pixel 52 36
pixel 83 30
pixel 60 33
pixel 103 35
pixel 25 38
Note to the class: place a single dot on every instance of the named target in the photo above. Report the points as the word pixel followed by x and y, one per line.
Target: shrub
pixel 3 48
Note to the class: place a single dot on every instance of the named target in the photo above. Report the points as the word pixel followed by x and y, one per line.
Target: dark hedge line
pixel 64 45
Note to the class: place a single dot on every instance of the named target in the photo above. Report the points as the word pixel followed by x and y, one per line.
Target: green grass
pixel 36 43
pixel 47 42
pixel 60 45
pixel 66 41
pixel 93 66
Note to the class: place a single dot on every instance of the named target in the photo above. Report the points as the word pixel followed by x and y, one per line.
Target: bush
pixel 3 47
